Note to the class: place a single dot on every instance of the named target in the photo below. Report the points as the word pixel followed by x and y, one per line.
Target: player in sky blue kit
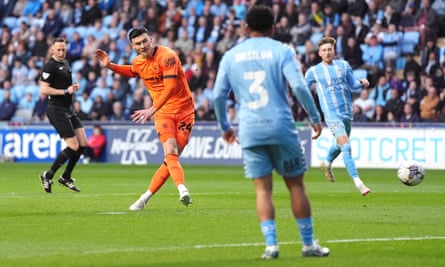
pixel 257 70
pixel 334 82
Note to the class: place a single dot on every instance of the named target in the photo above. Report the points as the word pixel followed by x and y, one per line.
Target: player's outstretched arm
pixel 103 58
pixel 105 61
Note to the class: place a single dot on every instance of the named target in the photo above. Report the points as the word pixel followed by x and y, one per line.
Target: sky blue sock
pixel 349 162
pixel 333 153
pixel 269 230
pixel 306 230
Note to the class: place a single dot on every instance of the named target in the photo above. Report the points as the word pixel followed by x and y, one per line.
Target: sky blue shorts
pixel 287 159
pixel 340 127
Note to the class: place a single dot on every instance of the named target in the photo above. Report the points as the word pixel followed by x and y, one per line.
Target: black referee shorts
pixel 64 120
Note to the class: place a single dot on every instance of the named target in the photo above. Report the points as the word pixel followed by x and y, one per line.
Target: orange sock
pixel 159 178
pixel 175 168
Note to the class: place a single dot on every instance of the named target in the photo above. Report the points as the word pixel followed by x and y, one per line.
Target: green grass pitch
pixel 395 225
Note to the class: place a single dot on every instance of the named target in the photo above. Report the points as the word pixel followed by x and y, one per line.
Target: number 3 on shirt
pixel 256 88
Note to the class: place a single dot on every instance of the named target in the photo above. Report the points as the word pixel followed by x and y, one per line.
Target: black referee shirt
pixel 58 75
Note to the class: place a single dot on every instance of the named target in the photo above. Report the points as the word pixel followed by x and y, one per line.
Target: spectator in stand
pixel 7 107
pixel 138 100
pixel 394 80
pixel 357 8
pixel 282 31
pixel 373 58
pixel 410 115
pixel 301 31
pixel 390 40
pixel 439 7
pixel 315 16
pixel 152 22
pixel 432 64
pixel 101 90
pixel 66 14
pixel 219 9
pixel 90 46
pixel 373 15
pixel 40 108
pixel 118 113
pixel 411 65
pixel 96 145
pixel 353 53
pixel 24 32
pixel 184 42
pixel 358 115
pixel 78 109
pixel 429 105
pixel 19 72
pixel 427 22
pixel 430 46
pixel 380 114
pixel 99 110
pixel 86 103
pixel 75 47
pixel 40 46
pixel 330 17
pixel 413 95
pixel 365 103
pixel 198 79
pixel 390 17
pixel 394 104
pixel 360 31
pixel 91 13
pixel 408 19
pixel 347 24
pixel 381 92
pixel 53 25
pixel 239 8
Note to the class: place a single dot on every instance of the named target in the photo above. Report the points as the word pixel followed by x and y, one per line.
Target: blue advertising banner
pixel 129 144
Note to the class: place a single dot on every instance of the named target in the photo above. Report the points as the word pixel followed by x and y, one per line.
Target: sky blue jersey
pixel 256 70
pixel 334 82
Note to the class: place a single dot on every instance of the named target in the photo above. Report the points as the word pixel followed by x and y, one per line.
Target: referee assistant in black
pixel 56 83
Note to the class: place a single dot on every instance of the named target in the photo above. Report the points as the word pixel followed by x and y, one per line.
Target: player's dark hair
pixel 260 18
pixel 327 40
pixel 135 32
pixel 59 40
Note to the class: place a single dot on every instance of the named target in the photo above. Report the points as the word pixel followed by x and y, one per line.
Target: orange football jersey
pixel 165 80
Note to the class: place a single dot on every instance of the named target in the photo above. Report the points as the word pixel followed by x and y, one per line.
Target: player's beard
pixel 146 52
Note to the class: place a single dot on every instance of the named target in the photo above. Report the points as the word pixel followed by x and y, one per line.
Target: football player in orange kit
pixel 173 109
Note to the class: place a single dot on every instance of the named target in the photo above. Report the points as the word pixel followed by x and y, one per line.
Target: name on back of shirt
pixel 253 55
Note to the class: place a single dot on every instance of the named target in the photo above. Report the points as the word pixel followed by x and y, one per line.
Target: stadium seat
pixel 409 42
pixel 106 21
pixel 316 38
pixel 360 74
pixel 22 115
pixel 400 63
pixel 301 49
pixel 11 22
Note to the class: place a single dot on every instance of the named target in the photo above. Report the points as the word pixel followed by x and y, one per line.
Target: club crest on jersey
pixel 338 71
pixel 45 75
pixel 155 68
pixel 170 62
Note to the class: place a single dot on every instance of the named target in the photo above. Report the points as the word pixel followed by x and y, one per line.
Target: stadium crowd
pixel 374 36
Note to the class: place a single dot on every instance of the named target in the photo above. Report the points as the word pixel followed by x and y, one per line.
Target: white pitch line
pixel 212 246
pixel 209 246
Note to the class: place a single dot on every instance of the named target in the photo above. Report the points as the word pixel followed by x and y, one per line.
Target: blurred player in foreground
pixel 56 82
pixel 335 82
pixel 172 111
pixel 256 70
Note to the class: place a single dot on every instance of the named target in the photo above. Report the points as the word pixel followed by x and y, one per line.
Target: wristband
pixel 66 92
